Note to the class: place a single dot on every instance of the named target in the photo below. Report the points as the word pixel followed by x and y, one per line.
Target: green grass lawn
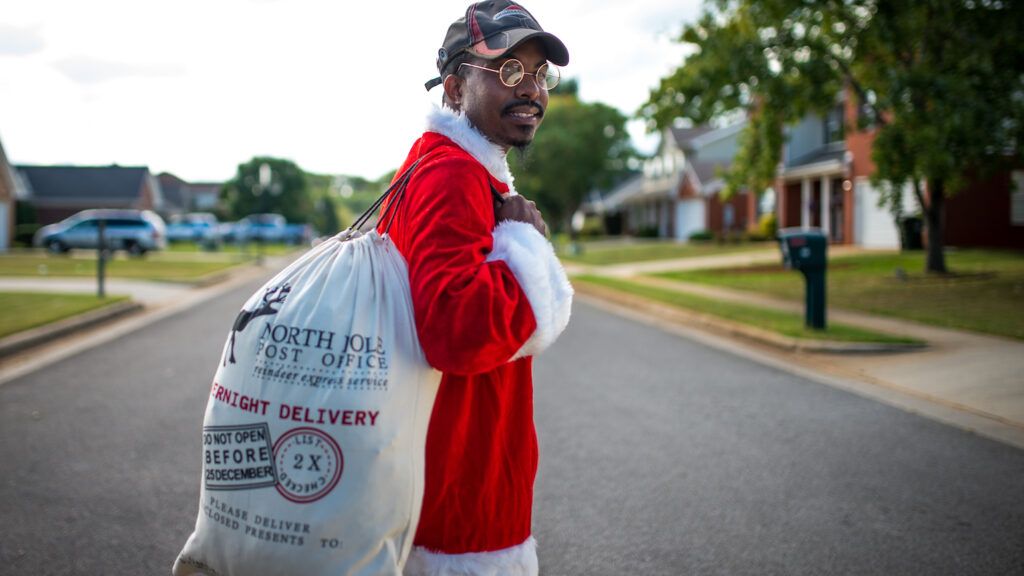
pixel 251 249
pixel 150 267
pixel 785 323
pixel 24 310
pixel 618 252
pixel 985 293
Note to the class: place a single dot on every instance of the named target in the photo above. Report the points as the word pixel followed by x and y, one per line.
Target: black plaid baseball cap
pixel 491 29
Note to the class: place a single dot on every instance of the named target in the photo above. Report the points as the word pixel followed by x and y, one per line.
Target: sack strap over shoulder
pixel 396 192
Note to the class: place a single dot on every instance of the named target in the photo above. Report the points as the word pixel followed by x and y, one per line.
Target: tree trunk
pixel 936 260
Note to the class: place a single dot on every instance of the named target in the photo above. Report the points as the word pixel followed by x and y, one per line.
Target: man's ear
pixel 453 91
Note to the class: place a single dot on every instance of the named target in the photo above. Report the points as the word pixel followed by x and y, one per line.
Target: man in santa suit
pixel 488 292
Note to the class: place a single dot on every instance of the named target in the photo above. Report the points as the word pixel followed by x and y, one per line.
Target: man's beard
pixel 523 145
pixel 523 150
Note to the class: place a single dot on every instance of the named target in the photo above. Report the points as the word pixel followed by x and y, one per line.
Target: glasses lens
pixel 511 72
pixel 549 76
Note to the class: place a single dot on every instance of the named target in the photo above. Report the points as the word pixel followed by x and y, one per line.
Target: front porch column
pixel 826 206
pixel 805 203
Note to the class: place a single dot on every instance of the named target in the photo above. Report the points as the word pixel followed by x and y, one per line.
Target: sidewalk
pixel 748 258
pixel 977 375
pixel 158 300
pixel 145 292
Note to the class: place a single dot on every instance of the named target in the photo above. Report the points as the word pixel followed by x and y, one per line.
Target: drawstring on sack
pixel 397 188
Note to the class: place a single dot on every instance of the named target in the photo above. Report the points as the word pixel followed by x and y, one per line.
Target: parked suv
pixel 257 227
pixel 194 226
pixel 135 231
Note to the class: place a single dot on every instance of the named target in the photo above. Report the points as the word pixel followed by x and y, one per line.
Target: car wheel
pixel 56 246
pixel 134 248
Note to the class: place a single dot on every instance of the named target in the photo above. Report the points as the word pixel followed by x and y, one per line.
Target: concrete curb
pixel 42 353
pixel 738 329
pixel 48 332
pixel 21 341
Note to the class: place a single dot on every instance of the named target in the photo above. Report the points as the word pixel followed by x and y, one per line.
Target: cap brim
pixel 557 53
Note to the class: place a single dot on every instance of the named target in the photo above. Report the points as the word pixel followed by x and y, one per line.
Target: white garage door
pixel 689 218
pixel 873 226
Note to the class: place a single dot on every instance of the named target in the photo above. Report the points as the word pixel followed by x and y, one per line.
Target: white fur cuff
pixel 518 560
pixel 460 130
pixel 533 262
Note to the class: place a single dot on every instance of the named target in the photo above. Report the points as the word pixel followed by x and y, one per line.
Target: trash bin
pixel 911 233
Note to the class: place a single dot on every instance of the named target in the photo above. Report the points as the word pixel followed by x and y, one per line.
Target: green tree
pixel 745 58
pixel 581 146
pixel 941 82
pixel 945 80
pixel 288 192
pixel 328 213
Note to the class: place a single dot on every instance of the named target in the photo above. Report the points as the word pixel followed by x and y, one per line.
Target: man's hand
pixel 521 210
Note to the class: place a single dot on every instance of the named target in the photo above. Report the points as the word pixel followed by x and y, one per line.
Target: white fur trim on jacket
pixel 540 275
pixel 456 126
pixel 518 560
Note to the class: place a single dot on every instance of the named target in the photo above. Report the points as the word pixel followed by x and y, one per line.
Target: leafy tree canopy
pixel 580 147
pixel 287 193
pixel 941 82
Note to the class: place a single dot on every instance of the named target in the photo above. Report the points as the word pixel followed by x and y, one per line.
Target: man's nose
pixel 529 87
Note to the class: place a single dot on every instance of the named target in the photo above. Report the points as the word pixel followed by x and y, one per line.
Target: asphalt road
pixel 659 456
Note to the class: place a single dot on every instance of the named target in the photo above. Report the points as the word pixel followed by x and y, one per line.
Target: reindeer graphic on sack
pixel 314 433
pixel 271 296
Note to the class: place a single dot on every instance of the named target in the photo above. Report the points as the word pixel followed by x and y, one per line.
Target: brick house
pixel 8 198
pixel 679 191
pixel 825 182
pixel 181 196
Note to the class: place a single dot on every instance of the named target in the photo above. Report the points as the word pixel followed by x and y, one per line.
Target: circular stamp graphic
pixel 309 464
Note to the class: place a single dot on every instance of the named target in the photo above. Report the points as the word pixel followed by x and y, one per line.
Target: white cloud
pixel 196 87
pixel 20 41
pixel 86 70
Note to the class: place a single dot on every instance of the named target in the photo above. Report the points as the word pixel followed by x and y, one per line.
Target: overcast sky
pixel 196 87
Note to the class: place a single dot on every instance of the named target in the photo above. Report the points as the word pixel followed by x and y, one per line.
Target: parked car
pixel 134 231
pixel 298 234
pixel 260 227
pixel 201 227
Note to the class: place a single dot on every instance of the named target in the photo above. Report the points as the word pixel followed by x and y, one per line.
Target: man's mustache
pixel 523 102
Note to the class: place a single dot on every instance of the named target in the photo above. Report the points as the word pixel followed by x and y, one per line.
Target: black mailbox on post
pixel 806 250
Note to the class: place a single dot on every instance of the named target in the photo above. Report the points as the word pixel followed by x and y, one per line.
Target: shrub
pixel 768 226
pixel 593 227
pixel 647 232
pixel 701 236
pixel 23 234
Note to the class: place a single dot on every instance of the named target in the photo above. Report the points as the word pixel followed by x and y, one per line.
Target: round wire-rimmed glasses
pixel 512 72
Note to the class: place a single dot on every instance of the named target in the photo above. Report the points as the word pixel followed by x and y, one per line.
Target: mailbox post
pixel 805 249
pixel 101 259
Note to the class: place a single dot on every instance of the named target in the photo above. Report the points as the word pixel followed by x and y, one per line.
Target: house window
pixel 1017 199
pixel 866 110
pixel 834 125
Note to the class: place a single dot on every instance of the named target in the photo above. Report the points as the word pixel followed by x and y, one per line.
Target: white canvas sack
pixel 314 434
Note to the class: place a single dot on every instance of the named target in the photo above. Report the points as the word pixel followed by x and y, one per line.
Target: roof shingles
pixel 81 182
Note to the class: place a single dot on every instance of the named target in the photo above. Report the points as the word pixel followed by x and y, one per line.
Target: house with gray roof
pixel 181 196
pixel 11 190
pixel 60 191
pixel 176 194
pixel 826 181
pixel 679 192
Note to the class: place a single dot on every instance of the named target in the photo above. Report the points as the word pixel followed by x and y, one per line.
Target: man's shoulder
pixel 438 153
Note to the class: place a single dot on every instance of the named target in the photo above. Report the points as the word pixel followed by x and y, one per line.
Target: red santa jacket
pixel 486 298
